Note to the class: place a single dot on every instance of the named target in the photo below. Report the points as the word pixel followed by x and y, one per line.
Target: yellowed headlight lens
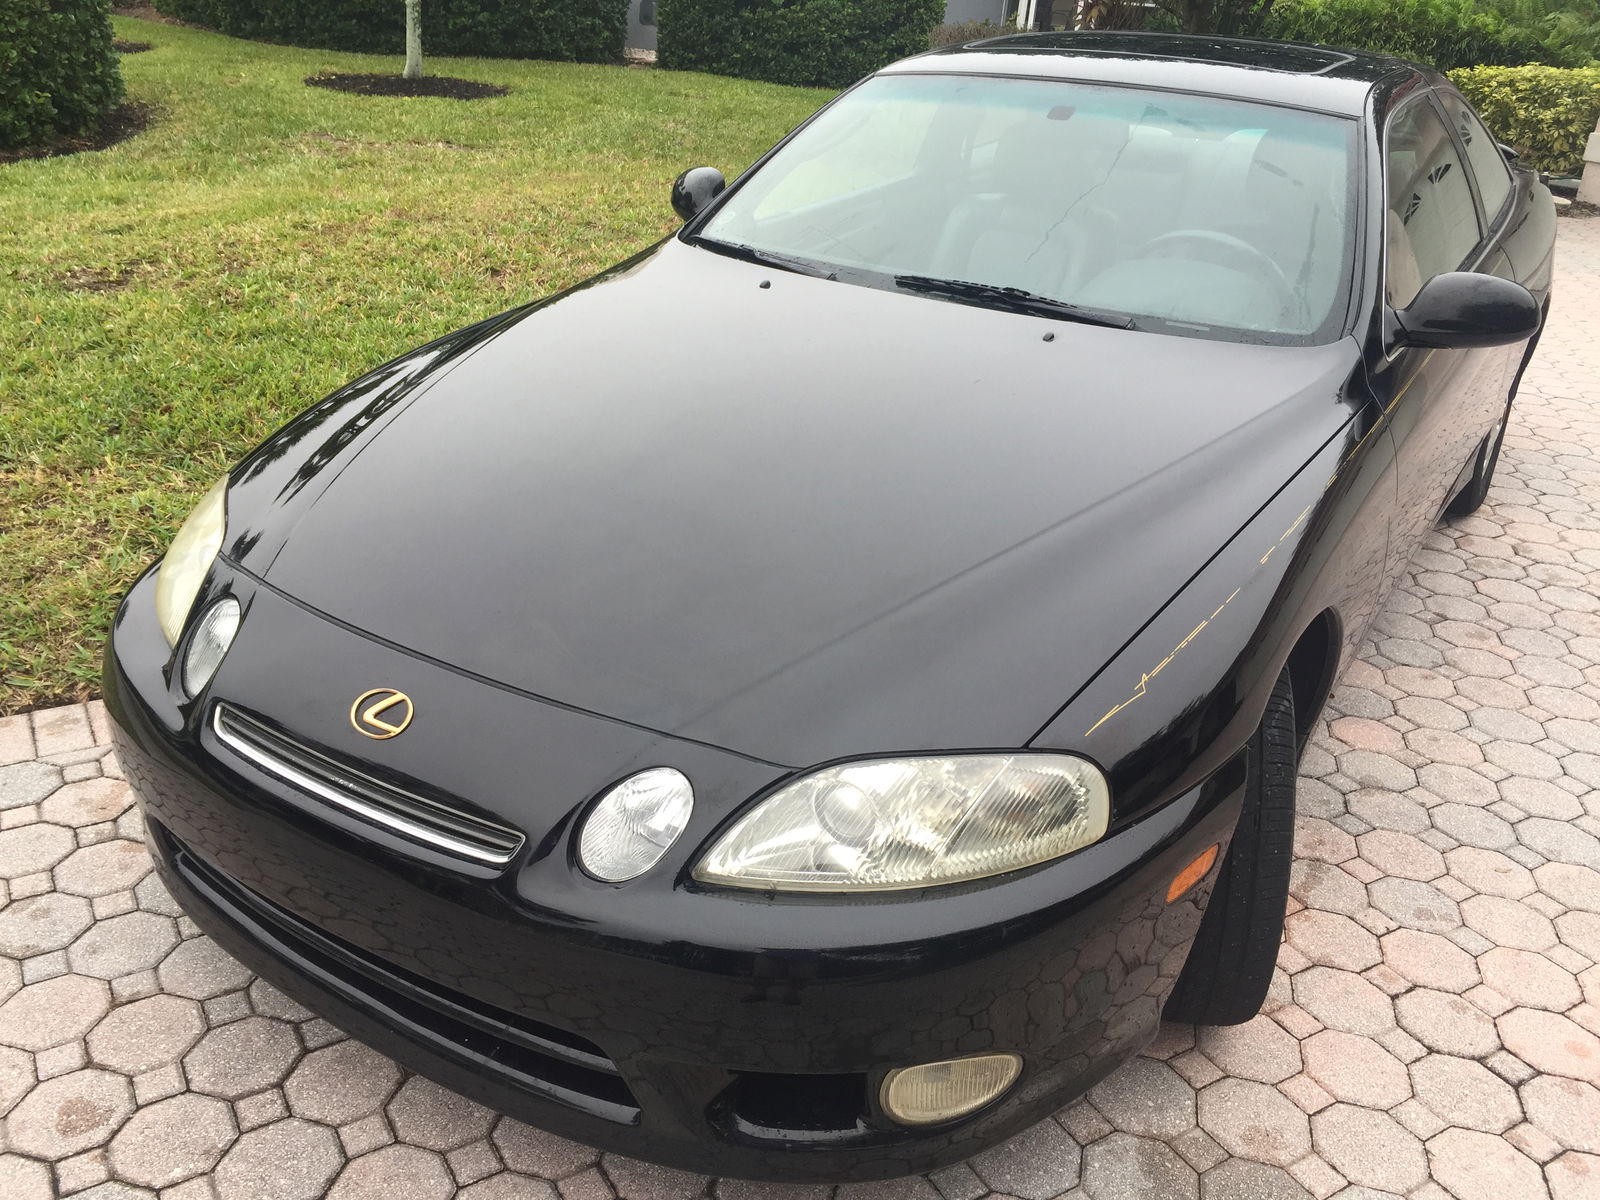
pixel 943 1091
pixel 188 559
pixel 887 824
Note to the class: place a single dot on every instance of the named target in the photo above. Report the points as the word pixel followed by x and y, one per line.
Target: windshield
pixel 1188 214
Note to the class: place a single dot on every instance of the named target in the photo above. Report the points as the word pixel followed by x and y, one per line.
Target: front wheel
pixel 1473 493
pixel 1230 965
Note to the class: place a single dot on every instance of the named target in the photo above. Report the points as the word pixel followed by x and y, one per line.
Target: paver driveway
pixel 1433 1030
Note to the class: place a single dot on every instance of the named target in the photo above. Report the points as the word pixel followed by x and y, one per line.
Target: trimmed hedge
pixel 566 30
pixel 1443 33
pixel 58 72
pixel 965 31
pixel 810 43
pixel 1545 112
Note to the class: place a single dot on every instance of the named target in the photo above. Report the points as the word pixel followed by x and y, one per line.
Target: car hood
pixel 787 516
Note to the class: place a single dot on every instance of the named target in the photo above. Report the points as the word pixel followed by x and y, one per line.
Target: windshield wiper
pixel 766 258
pixel 1009 299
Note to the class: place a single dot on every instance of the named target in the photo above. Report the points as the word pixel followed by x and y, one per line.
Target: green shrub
pixel 1545 112
pixel 210 13
pixel 58 72
pixel 965 31
pixel 812 43
pixel 1569 29
pixel 570 30
pixel 1442 33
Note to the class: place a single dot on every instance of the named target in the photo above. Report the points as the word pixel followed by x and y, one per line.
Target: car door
pixel 1510 234
pixel 1440 403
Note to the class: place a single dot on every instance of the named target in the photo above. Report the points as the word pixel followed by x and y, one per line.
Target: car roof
pixel 1295 73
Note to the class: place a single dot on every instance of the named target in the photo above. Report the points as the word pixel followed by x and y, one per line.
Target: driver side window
pixel 1432 223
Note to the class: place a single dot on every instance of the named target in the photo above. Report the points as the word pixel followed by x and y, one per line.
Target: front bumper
pixel 730 1034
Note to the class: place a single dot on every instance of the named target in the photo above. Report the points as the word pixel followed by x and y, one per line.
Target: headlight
pixel 913 822
pixel 634 824
pixel 188 559
pixel 213 634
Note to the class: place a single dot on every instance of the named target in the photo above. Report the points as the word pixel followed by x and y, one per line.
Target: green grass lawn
pixel 168 302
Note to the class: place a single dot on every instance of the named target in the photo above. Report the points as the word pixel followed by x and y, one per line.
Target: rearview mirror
pixel 1462 309
pixel 696 188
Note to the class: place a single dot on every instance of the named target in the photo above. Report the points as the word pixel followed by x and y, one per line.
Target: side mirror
pixel 696 188
pixel 1462 309
pixel 1511 155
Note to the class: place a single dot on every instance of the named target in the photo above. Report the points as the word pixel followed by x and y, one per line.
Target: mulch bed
pixel 397 85
pixel 1579 208
pixel 117 125
pixel 122 47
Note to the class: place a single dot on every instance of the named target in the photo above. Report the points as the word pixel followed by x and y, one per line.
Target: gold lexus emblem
pixel 385 715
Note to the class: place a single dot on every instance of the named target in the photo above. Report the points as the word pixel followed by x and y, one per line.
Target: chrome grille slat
pixel 416 817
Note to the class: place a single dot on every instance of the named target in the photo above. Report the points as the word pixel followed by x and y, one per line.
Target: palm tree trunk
pixel 413 39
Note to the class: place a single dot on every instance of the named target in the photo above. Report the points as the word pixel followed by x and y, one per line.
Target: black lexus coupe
pixel 807 702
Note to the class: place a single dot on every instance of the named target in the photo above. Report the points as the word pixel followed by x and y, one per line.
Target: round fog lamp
pixel 943 1091
pixel 634 824
pixel 212 636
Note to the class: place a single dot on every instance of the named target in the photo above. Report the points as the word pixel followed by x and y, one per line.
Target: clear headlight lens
pixel 634 824
pixel 213 634
pixel 188 559
pixel 913 822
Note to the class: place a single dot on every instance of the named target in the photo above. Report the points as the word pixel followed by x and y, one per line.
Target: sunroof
pixel 1265 56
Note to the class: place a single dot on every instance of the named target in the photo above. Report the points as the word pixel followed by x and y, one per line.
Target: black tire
pixel 1230 966
pixel 1473 493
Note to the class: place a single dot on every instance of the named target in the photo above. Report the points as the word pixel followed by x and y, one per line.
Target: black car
pixel 806 702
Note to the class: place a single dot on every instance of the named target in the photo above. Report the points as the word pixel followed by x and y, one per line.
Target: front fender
pixel 272 487
pixel 1184 695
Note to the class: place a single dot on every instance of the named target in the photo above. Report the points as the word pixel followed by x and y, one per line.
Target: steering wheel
pixel 1229 251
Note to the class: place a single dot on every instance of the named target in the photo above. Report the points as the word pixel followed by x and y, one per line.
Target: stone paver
pixel 1356 1069
pixel 425 1114
pixel 1370 1149
pixel 1467 1094
pixel 146 1034
pixel 1433 1031
pixel 341 1083
pixel 241 1058
pixel 52 1012
pixel 68 1114
pixel 394 1171
pixel 172 1140
pixel 287 1160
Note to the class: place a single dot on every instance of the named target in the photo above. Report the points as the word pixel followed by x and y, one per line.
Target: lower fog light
pixel 943 1091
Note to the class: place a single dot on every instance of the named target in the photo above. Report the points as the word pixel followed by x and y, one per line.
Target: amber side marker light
pixel 1192 874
